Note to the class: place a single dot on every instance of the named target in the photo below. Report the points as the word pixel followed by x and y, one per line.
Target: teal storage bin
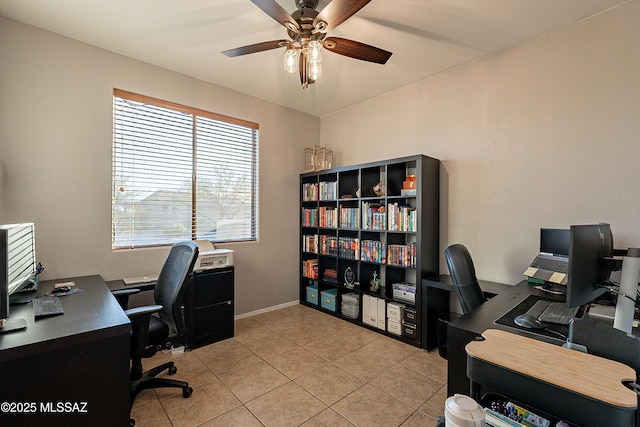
pixel 328 299
pixel 312 294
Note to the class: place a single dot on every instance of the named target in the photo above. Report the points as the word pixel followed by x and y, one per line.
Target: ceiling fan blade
pixel 357 50
pixel 338 11
pixel 254 48
pixel 274 10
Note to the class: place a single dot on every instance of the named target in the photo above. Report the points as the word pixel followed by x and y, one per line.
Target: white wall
pixel 574 93
pixel 55 160
pixel 543 135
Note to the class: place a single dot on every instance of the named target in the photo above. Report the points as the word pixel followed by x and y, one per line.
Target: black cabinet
pixel 208 307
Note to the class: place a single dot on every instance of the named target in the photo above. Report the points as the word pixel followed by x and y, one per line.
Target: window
pixel 180 173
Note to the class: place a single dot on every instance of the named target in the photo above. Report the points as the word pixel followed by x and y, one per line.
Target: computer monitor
pixel 589 245
pixel 17 261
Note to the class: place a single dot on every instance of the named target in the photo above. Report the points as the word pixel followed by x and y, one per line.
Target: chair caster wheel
pixel 186 392
pixel 173 370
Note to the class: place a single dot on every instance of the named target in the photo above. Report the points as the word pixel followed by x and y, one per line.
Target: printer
pixel 209 257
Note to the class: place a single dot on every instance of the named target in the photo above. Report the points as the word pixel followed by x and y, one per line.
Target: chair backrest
pixel 171 284
pixel 463 277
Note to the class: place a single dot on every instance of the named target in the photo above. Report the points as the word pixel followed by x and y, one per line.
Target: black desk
pixel 71 369
pixel 435 304
pixel 466 328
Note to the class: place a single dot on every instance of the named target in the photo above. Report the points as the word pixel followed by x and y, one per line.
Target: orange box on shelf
pixel 410 183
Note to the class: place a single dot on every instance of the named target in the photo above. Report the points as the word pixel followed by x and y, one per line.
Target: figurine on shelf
pixel 349 278
pixel 375 282
pixel 379 189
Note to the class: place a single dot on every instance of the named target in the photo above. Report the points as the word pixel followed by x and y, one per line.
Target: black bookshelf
pixel 360 222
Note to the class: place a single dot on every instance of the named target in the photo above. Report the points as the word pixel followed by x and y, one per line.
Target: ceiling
pixel 426 37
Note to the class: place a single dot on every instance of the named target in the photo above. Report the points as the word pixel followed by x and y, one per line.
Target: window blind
pixel 181 173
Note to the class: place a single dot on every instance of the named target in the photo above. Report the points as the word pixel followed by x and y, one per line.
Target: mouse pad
pixel 508 319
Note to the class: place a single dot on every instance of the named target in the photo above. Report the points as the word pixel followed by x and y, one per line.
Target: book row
pixel 393 217
pixel 366 250
pixel 312 192
pixel 310 268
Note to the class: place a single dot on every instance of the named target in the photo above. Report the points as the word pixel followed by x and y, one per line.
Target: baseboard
pixel 266 310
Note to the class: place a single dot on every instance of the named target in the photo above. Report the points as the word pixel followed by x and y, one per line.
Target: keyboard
pixel 561 265
pixel 46 306
pixel 553 312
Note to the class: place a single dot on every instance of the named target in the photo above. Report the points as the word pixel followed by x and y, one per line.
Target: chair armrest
pixel 138 312
pixel 122 296
pixel 140 317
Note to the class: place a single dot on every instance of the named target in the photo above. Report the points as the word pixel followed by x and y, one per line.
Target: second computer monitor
pixel 589 245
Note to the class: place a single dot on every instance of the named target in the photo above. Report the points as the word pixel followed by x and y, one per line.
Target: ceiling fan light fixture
pixel 291 60
pixel 314 50
pixel 314 68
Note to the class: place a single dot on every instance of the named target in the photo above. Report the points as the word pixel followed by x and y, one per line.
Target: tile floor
pixel 299 367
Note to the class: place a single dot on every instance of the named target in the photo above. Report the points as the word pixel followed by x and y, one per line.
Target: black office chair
pixel 152 333
pixel 463 277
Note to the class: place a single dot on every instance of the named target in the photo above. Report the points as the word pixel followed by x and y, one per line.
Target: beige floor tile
pixel 304 334
pixel 238 417
pixel 328 418
pixel 270 345
pixel 329 383
pixel 231 360
pixel 357 335
pixel 215 348
pixel 144 398
pixel 408 386
pixel 253 381
pixel 296 362
pixel 391 349
pixel 418 419
pixel 288 405
pixel 208 401
pixel 363 364
pixel 252 333
pixel 150 416
pixel 331 347
pixel 435 406
pixel 371 407
pixel 241 325
pixel 429 364
pixel 194 372
pixel 280 322
pixel 329 324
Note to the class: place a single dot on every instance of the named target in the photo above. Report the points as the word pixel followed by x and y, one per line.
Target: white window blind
pixel 180 173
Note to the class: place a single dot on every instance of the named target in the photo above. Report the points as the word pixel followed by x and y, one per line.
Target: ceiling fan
pixel 307 29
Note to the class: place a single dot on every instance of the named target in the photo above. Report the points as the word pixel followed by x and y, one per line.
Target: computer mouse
pixel 61 290
pixel 528 321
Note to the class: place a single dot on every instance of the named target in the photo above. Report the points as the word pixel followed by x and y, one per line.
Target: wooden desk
pixel 581 388
pixel 465 329
pixel 80 358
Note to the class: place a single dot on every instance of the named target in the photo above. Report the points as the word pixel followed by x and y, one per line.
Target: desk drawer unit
pixel 209 308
